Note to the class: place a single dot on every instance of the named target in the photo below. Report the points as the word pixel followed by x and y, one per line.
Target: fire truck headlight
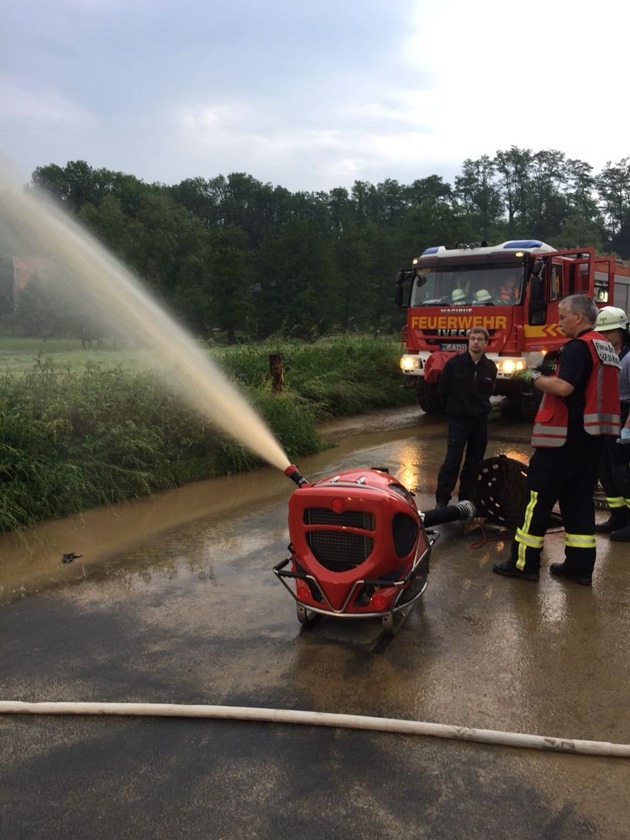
pixel 409 363
pixel 508 367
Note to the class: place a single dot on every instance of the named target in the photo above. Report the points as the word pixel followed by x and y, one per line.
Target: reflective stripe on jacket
pixel 601 409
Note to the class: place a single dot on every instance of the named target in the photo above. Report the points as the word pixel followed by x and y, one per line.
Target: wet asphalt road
pixel 192 614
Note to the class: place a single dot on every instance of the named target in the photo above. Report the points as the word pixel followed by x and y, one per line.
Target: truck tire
pixel 428 397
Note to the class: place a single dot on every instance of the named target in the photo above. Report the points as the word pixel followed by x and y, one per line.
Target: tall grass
pixel 72 439
pixel 337 377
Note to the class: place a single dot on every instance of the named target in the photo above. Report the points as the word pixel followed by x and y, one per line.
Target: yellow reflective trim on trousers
pixel 523 537
pixel 530 540
pixel 616 502
pixel 579 540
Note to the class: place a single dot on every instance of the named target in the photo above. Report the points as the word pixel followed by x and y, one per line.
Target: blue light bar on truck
pixel 523 243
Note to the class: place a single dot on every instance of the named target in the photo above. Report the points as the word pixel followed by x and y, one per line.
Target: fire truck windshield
pixel 467 285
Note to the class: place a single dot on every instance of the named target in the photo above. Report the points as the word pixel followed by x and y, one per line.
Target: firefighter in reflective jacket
pixel 580 406
pixel 614 469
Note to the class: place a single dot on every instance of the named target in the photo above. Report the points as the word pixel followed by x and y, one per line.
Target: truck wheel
pixel 428 398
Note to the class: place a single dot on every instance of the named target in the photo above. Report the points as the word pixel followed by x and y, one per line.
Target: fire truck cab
pixel 513 290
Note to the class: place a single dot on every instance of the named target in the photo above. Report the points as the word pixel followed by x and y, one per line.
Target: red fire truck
pixel 513 290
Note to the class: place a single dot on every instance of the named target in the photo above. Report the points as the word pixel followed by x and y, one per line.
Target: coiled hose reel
pixel 500 490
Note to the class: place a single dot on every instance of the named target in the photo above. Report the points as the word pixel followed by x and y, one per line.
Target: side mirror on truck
pixel 536 282
pixel 401 277
pixel 537 303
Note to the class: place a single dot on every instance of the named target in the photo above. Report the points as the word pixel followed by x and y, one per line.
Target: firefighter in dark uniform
pixel 580 406
pixel 465 388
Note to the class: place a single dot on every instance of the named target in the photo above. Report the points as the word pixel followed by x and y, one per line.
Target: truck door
pixel 578 278
pixel 547 286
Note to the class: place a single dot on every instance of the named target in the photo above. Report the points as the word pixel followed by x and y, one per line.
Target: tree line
pixel 250 259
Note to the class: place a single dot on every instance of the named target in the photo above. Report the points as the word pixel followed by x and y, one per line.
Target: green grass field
pixel 20 355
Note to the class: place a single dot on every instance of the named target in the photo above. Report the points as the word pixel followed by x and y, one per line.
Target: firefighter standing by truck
pixel 580 406
pixel 614 473
pixel 465 388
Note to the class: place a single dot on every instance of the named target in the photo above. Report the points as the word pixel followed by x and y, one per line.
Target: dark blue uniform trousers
pixel 463 434
pixel 567 475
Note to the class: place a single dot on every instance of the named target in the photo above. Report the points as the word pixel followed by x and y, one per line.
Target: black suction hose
pixel 461 512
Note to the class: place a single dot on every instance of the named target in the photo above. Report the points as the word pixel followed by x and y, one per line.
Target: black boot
pixel 621 535
pixel 579 576
pixel 618 519
pixel 508 569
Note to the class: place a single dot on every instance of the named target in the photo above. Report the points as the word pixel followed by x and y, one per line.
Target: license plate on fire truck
pixel 453 348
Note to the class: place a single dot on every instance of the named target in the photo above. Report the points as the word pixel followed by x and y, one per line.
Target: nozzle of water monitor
pixel 293 473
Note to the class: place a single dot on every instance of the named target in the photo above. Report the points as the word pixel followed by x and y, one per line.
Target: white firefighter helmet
pixel 483 296
pixel 458 296
pixel 611 318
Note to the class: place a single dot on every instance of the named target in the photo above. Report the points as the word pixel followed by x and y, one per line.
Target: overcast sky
pixel 309 95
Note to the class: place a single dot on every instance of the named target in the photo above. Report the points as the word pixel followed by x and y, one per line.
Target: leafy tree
pixel 385 204
pixel 613 185
pixel 432 223
pixel 375 287
pixel 75 184
pixel 109 223
pixel 513 168
pixel 298 296
pixel 230 284
pixel 578 231
pixel 579 188
pixel 620 242
pixel 351 261
pixel 432 188
pixel 480 196
pixel 546 203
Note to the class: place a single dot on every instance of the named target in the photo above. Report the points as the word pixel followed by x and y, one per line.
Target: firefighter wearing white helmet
pixel 611 318
pixel 614 472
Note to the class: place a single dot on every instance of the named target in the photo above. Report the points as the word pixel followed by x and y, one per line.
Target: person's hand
pixel 625 436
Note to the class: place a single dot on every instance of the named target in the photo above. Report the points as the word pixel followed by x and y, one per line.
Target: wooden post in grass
pixel 277 371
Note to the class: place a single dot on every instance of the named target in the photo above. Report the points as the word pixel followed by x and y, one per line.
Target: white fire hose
pixel 376 724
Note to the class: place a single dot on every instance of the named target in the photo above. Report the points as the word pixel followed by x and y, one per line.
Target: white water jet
pixel 117 296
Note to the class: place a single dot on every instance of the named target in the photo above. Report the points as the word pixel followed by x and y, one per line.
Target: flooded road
pixel 173 600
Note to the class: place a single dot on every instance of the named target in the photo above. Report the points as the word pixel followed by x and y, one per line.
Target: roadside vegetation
pixel 77 433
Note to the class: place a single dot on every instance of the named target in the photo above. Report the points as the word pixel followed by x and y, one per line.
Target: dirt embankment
pixel 376 421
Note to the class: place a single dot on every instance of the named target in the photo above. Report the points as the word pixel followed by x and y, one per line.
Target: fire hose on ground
pixel 344 721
